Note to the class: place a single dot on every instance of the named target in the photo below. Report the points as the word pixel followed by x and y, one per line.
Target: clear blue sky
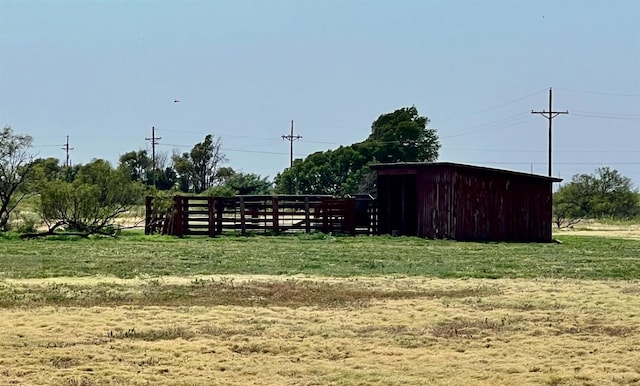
pixel 105 72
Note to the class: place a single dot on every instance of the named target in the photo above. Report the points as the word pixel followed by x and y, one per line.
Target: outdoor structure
pixel 212 216
pixel 443 200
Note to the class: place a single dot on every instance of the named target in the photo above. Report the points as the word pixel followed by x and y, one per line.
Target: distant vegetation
pixel 89 199
pixel 603 194
pixel 399 136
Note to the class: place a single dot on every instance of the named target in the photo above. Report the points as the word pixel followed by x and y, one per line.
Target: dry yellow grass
pixel 475 332
pixel 594 228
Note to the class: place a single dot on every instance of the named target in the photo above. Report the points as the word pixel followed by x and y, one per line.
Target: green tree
pixel 93 202
pixel 45 170
pixel 404 137
pixel 197 170
pixel 137 164
pixel 604 193
pixel 248 183
pixel 42 171
pixel 566 211
pixel 236 183
pixel 165 179
pixel 15 166
pixel 398 136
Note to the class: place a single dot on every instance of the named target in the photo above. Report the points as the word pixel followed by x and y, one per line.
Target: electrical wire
pixel 555 163
pixel 619 118
pixel 509 121
pixel 543 151
pixel 494 107
pixel 599 92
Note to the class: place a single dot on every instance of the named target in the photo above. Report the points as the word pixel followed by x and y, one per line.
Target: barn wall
pixel 453 202
pixel 503 207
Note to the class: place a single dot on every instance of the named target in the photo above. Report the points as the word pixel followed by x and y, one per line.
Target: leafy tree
pixel 404 136
pixel 605 193
pixel 185 171
pixel 46 170
pixel 137 164
pixel 165 179
pixel 248 183
pixel 566 212
pixel 92 202
pixel 42 171
pixel 398 136
pixel 237 183
pixel 15 166
pixel 197 170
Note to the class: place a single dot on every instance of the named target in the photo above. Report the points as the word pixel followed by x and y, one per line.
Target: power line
pixel 557 163
pixel 543 151
pixel 291 138
pixel 509 121
pixel 621 118
pixel 600 92
pixel 254 151
pixel 607 113
pixel 494 107
pixel 250 136
pixel 66 148
pixel 229 149
pixel 154 141
pixel 550 115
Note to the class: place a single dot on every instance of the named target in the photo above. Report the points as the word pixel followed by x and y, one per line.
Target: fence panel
pixel 212 216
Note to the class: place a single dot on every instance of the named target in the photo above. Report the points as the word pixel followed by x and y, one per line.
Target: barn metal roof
pixel 435 165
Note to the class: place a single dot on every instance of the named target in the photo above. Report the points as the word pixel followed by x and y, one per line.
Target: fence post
pixel 185 216
pixel 243 225
pixel 178 225
pixel 211 220
pixel 350 215
pixel 307 219
pixel 325 216
pixel 147 215
pixel 219 205
pixel 276 220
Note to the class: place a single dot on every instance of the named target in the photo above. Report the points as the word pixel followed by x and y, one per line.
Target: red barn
pixel 443 200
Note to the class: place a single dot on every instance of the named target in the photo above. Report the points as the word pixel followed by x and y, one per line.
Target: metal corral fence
pixel 211 216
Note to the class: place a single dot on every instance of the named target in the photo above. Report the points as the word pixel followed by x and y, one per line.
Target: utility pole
pixel 66 148
pixel 154 141
pixel 550 115
pixel 291 138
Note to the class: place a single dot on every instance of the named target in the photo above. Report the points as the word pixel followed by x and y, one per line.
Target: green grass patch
pixel 154 256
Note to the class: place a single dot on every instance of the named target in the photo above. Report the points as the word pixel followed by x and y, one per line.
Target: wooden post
pixel 148 211
pixel 178 220
pixel 307 220
pixel 219 205
pixel 274 216
pixel 350 215
pixel 325 216
pixel 374 217
pixel 185 216
pixel 403 195
pixel 211 221
pixel 243 225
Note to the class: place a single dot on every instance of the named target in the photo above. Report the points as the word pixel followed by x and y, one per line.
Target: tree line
pixel 88 198
pixel 603 194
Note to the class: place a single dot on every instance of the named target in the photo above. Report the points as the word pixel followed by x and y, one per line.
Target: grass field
pixel 316 310
pixel 139 256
